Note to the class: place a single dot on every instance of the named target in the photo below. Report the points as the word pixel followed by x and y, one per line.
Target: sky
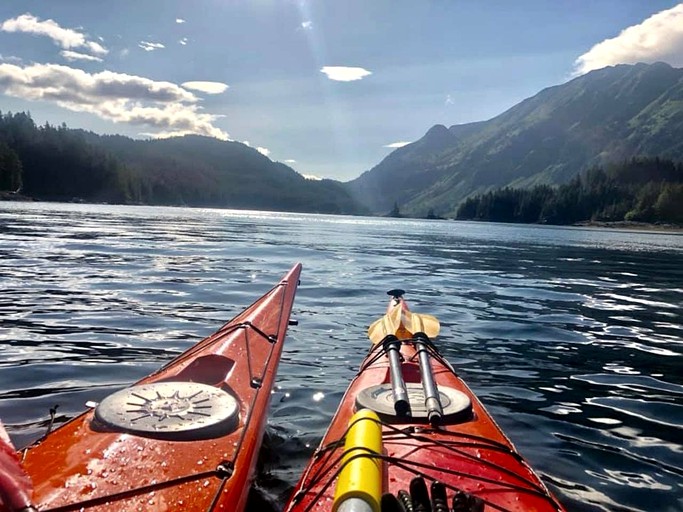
pixel 328 87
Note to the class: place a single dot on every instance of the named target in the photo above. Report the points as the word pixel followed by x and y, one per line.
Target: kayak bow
pixel 443 438
pixel 184 438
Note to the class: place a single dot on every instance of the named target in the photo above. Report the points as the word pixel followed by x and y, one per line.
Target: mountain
pixel 605 116
pixel 58 163
pixel 202 171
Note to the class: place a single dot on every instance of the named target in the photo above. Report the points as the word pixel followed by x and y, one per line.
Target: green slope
pixel 56 163
pixel 607 115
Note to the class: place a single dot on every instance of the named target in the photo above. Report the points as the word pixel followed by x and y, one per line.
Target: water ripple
pixel 572 337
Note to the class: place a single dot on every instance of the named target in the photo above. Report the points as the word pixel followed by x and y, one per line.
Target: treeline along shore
pixel 55 163
pixel 640 190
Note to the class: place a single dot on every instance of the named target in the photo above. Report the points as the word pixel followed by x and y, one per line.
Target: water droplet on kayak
pixel 164 464
pixel 206 483
pixel 89 487
pixel 200 462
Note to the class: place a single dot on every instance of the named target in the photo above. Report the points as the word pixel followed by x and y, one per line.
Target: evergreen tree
pixel 639 189
pixel 10 169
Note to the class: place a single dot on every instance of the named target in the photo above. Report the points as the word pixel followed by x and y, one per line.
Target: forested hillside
pixel 608 115
pixel 639 190
pixel 57 163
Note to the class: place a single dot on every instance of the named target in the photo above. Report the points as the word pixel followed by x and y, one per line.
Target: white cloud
pixel 167 134
pixel 72 56
pixel 116 97
pixel 96 48
pixel 312 177
pixel 206 87
pixel 262 150
pixel 65 37
pixel 10 58
pixel 344 73
pixel 150 47
pixel 449 100
pixel 290 161
pixel 397 144
pixel 658 38
pixel 179 20
pixel 183 41
pixel 307 25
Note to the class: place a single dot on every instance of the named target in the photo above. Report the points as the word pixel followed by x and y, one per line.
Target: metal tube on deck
pixel 431 391
pixel 398 385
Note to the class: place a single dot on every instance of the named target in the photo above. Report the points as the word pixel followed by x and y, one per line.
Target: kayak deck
pixel 184 438
pixel 467 452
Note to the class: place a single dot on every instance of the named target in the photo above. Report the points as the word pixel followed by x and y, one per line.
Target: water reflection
pixel 571 337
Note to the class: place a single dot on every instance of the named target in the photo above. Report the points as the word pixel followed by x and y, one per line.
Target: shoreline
pixel 615 225
pixel 13 196
pixel 630 226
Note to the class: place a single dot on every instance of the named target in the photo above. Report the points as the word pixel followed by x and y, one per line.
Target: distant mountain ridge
pixel 62 164
pixel 203 171
pixel 608 115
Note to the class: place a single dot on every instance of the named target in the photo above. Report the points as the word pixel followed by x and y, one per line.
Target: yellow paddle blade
pixel 388 324
pixel 392 322
pixel 417 322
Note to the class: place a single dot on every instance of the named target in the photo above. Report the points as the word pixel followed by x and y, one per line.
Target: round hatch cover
pixel 456 404
pixel 184 410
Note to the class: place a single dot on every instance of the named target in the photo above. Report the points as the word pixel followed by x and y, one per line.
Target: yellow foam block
pixel 361 476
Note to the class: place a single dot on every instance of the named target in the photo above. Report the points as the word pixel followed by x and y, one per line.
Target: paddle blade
pixel 389 324
pixel 417 322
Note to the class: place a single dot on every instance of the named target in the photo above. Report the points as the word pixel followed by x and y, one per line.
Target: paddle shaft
pixel 398 385
pixel 431 392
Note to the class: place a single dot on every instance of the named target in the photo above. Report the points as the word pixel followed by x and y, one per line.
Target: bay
pixel 572 337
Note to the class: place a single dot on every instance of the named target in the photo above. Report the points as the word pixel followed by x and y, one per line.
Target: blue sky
pixel 327 86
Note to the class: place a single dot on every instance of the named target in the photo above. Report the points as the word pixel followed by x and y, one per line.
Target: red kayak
pixel 409 434
pixel 184 438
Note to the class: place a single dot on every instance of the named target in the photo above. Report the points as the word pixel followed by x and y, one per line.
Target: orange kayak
pixel 410 433
pixel 184 438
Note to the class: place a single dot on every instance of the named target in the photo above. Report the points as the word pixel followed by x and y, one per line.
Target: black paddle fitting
pixel 420 495
pixel 406 501
pixel 390 503
pixel 439 498
pixel 396 293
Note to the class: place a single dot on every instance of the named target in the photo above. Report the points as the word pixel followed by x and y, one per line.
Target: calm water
pixel 572 337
